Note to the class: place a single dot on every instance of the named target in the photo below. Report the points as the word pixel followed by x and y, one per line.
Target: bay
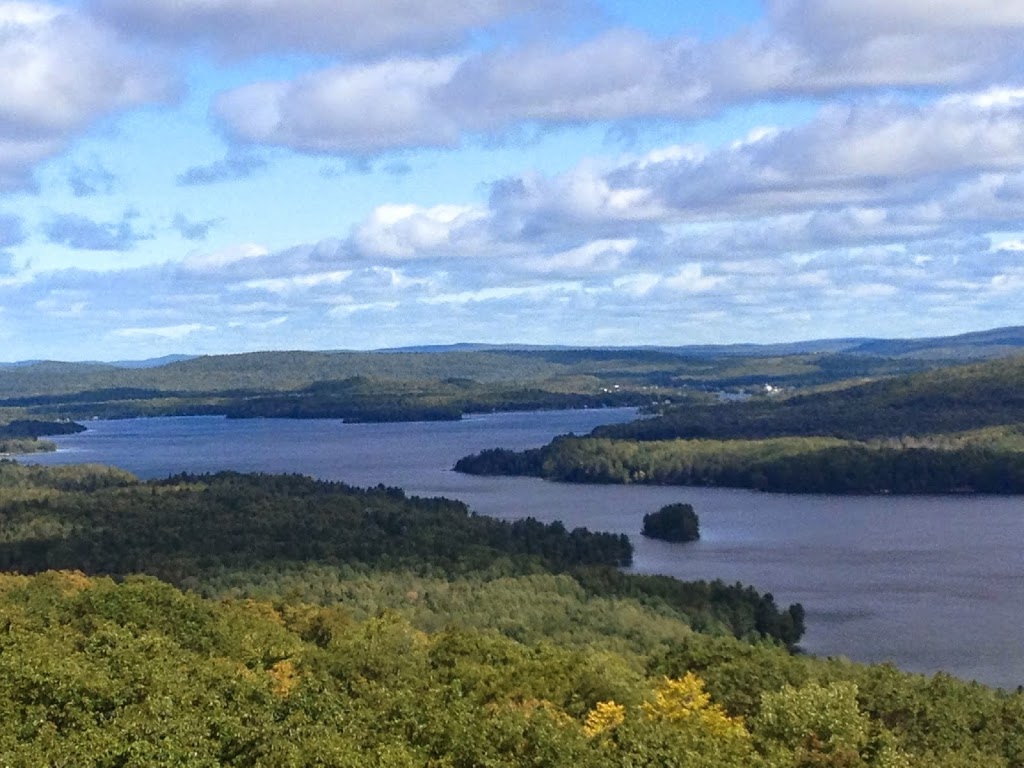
pixel 928 583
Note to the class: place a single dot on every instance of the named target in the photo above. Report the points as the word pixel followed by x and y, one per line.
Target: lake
pixel 929 583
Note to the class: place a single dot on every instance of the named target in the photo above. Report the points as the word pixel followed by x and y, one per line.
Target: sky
pixel 218 176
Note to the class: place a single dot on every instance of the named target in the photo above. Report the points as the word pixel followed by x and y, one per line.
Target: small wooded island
pixel 674 522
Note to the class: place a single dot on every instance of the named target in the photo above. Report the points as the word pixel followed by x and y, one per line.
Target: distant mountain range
pixel 153 362
pixel 978 345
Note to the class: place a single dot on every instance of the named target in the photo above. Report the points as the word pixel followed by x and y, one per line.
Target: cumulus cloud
pixel 618 75
pixel 61 71
pixel 346 109
pixel 803 49
pixel 882 204
pixel 847 164
pixel 812 47
pixel 83 233
pixel 412 231
pixel 353 28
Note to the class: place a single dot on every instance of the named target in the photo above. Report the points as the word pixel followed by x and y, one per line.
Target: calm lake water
pixel 929 583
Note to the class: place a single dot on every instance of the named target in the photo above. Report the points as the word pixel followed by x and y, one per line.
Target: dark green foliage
pixel 745 613
pixel 34 428
pixel 812 443
pixel 674 522
pixel 229 533
pixel 947 400
pixel 186 524
pixel 795 465
pixel 502 461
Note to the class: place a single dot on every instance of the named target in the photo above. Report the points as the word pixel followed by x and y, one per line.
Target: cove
pixel 928 583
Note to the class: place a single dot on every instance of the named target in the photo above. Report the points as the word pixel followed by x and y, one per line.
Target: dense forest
pixel 277 620
pixel 334 626
pixel 673 522
pixel 102 672
pixel 233 534
pixel 958 429
pixel 444 383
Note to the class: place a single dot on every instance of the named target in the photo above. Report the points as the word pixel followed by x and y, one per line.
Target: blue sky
pixel 207 177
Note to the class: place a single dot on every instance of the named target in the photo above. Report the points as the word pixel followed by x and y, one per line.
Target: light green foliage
pixel 814 720
pixel 95 673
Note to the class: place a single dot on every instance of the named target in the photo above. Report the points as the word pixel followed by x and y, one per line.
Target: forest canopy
pixel 950 431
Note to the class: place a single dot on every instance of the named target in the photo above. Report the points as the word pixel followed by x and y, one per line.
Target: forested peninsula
pixel 22 436
pixel 954 430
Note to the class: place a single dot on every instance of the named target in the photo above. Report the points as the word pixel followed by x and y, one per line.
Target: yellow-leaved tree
pixel 679 725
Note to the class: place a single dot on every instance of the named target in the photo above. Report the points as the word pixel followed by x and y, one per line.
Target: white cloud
pixel 617 75
pixel 867 43
pixel 1014 246
pixel 636 285
pixel 353 27
pixel 690 278
pixel 297 282
pixel 804 49
pixel 865 18
pixel 410 231
pixel 60 72
pixel 862 158
pixel 351 307
pixel 260 326
pixel 590 258
pixel 346 109
pixel 503 293
pixel 215 260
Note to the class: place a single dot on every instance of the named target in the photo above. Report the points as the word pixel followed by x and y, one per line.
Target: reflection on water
pixel 929 583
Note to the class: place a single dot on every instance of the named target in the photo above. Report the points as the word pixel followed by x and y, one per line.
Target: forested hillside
pixel 381 386
pixel 98 673
pixel 952 430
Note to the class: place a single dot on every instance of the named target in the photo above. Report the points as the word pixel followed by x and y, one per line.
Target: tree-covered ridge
pixel 105 674
pixel 234 534
pixel 950 431
pixel 953 399
pixel 407 385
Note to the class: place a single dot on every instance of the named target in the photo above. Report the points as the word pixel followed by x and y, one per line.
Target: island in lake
pixel 674 522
